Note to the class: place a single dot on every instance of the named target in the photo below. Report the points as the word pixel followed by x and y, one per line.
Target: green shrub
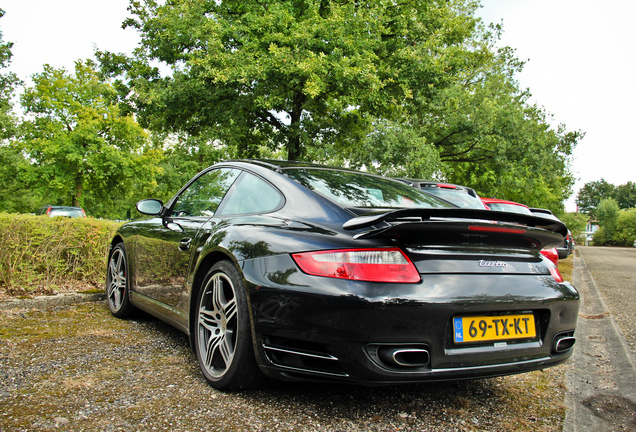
pixel 620 232
pixel 41 253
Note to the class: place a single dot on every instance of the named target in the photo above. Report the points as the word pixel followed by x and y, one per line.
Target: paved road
pixel 602 374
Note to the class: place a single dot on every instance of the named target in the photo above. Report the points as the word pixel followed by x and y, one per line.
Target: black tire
pixel 117 283
pixel 222 339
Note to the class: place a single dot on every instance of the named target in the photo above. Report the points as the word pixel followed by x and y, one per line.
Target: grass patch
pixel 566 266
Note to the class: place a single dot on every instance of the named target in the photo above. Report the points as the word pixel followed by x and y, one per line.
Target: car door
pixel 164 248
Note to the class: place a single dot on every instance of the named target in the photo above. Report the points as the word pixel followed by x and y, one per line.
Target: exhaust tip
pixel 563 343
pixel 403 357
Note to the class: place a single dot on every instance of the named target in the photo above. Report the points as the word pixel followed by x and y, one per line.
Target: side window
pixel 252 195
pixel 203 196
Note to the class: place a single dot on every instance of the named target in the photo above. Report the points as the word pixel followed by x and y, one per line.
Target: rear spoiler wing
pixel 547 232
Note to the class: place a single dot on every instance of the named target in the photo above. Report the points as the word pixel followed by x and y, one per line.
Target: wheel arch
pixel 114 242
pixel 204 266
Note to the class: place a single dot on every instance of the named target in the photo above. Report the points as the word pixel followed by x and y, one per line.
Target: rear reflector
pixel 372 265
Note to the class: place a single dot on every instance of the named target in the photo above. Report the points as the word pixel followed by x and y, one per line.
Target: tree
pixel 617 227
pixel 8 82
pixel 82 149
pixel 591 194
pixel 411 89
pixel 291 74
pixel 625 195
pixel 13 195
pixel 625 234
pixel 576 223
pixel 607 215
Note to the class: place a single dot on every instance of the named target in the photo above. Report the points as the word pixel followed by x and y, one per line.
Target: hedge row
pixel 42 253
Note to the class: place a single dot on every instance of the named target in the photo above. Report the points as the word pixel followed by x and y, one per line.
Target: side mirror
pixel 152 207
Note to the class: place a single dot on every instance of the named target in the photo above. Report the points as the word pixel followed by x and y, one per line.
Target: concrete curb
pixel 601 377
pixel 51 300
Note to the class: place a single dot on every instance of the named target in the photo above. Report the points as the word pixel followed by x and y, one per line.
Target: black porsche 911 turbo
pixel 304 272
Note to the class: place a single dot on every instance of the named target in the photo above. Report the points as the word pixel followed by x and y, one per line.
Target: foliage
pixel 184 156
pixel 41 252
pixel 81 149
pixel 625 234
pixel 591 194
pixel 15 194
pixel 576 223
pixel 607 214
pixel 392 150
pixel 625 195
pixel 529 162
pixel 412 89
pixel 617 227
pixel 289 74
pixel 8 83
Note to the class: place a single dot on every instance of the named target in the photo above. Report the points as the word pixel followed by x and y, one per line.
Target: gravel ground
pixel 78 368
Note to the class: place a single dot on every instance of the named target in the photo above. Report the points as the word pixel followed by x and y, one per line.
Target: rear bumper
pixel 313 328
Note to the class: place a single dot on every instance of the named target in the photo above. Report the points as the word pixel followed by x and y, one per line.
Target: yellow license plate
pixel 493 328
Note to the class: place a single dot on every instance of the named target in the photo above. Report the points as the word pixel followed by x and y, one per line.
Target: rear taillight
pixel 372 265
pixel 556 274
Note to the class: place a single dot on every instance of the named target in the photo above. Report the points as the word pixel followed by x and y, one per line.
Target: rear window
pixel 74 213
pixel 458 197
pixel 353 189
pixel 511 208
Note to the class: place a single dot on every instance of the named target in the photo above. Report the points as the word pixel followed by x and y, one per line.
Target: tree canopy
pixel 8 83
pixel 82 150
pixel 592 193
pixel 414 89
pixel 417 89
pixel 291 74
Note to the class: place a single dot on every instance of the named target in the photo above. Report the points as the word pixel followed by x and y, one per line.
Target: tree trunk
pixel 78 193
pixel 294 146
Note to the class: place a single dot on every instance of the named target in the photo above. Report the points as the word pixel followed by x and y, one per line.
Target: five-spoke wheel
pixel 222 333
pixel 117 282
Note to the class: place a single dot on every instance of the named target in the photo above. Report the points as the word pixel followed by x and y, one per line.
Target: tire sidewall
pixel 242 371
pixel 125 308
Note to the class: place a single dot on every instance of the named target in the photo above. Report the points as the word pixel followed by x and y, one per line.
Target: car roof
pixel 277 165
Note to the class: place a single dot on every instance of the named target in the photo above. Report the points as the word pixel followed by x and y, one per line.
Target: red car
pixel 515 207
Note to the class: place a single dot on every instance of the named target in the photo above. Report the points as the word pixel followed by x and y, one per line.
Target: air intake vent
pixel 301 356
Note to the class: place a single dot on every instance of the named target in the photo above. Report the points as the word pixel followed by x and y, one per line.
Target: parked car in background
pixel 305 272
pixel 505 205
pixel 62 211
pixel 461 196
pixel 567 247
pixel 514 207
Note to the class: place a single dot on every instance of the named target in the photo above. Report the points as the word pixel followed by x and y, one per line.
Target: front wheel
pixel 117 283
pixel 223 342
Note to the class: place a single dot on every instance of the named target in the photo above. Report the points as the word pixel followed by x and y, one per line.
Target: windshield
pixel 355 189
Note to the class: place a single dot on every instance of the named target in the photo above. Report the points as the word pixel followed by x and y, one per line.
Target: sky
pixel 581 59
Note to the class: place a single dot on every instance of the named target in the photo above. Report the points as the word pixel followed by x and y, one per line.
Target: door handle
pixel 184 244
